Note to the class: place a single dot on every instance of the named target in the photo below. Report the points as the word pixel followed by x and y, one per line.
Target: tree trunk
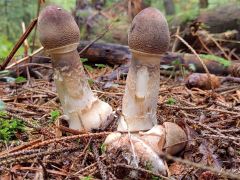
pixel 169 7
pixel 221 19
pixel 203 3
pixel 6 15
pixel 98 4
pixel 80 4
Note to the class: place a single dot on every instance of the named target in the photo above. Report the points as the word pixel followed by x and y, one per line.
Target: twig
pixel 35 30
pixel 175 43
pixel 218 45
pixel 139 169
pixel 84 170
pixel 219 134
pixel 22 153
pixel 45 173
pixel 35 64
pixel 95 40
pixel 37 169
pixel 25 58
pixel 19 148
pixel 41 154
pixel 72 131
pixel 88 135
pixel 201 166
pixel 198 57
pixel 185 107
pixel 19 43
pixel 85 153
pixel 101 166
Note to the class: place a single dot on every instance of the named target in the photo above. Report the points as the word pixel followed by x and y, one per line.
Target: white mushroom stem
pixel 84 110
pixel 141 93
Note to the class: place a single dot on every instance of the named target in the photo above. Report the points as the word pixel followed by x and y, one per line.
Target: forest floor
pixel 36 143
pixel 46 148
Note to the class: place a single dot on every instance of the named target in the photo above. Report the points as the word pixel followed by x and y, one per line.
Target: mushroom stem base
pixel 92 118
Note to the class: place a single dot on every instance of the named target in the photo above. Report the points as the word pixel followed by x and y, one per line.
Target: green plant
pixel 149 166
pixel 171 101
pixel 5 47
pixel 176 62
pixel 86 178
pixel 220 60
pixel 192 67
pixel 103 148
pixel 155 178
pixel 90 81
pixel 54 115
pixel 88 68
pixel 83 60
pixel 100 65
pixel 9 127
pixel 20 80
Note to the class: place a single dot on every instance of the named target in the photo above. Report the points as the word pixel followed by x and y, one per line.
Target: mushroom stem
pixel 141 93
pixel 59 34
pixel 84 110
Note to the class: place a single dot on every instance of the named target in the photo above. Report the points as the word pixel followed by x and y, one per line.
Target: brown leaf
pixel 176 168
pixel 207 175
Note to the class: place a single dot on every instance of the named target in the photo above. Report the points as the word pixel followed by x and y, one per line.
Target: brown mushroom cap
pixel 57 28
pixel 149 32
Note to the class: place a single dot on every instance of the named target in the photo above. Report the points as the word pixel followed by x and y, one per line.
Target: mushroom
pixel 176 138
pixel 59 35
pixel 148 39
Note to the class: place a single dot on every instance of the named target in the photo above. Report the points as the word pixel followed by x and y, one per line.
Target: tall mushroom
pixel 59 35
pixel 148 39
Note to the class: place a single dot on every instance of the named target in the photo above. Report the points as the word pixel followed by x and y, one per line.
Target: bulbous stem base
pixel 84 110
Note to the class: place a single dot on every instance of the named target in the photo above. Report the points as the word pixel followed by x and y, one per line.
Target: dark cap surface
pixel 57 28
pixel 149 32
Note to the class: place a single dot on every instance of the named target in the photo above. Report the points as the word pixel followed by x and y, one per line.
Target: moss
pixel 9 127
pixel 220 60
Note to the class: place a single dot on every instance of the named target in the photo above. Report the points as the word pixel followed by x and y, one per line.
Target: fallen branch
pixel 115 54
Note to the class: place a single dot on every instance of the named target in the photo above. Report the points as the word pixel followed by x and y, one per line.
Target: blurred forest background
pixel 94 16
